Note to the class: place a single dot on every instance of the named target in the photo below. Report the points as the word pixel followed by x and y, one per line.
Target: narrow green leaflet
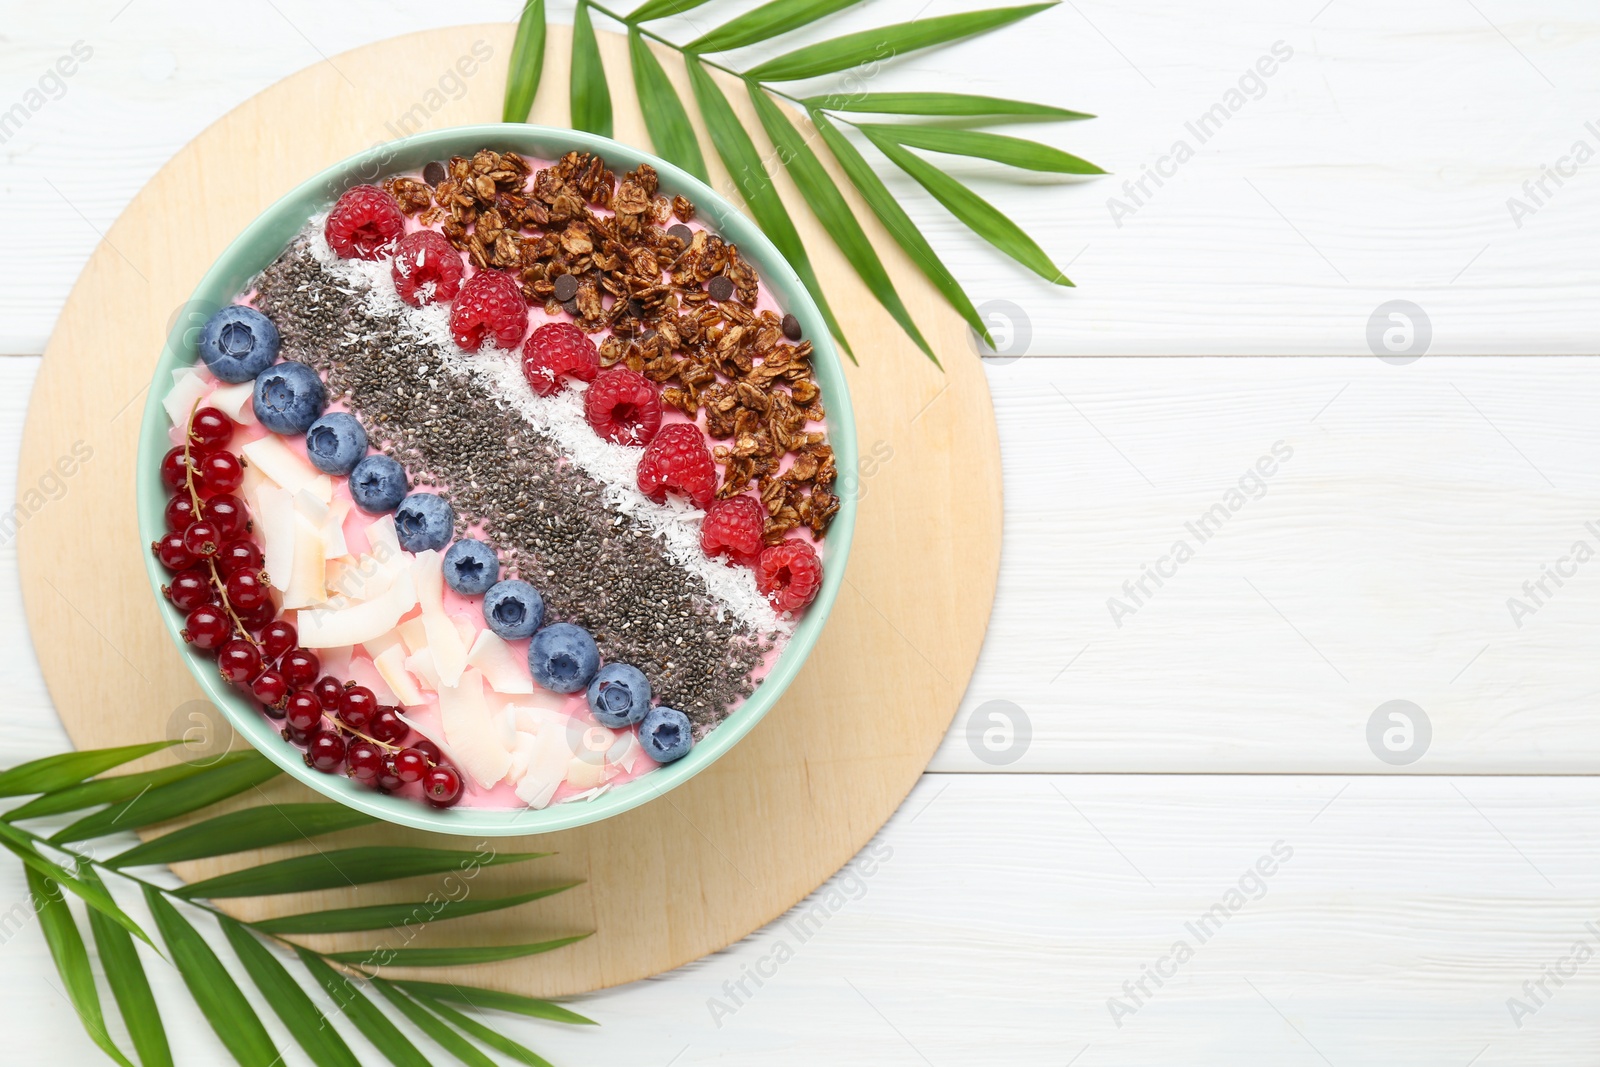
pixel 660 9
pixel 72 960
pixel 868 46
pixel 486 999
pixel 898 223
pixel 765 22
pixel 976 213
pixel 237 831
pixel 112 790
pixel 744 165
pixel 55 772
pixel 527 63
pixel 387 916
pixel 17 842
pixel 959 105
pixel 346 867
pixel 1012 151
pixel 664 115
pixel 308 1026
pixel 447 957
pixel 354 1005
pixel 468 1025
pixel 591 96
pixel 168 801
pixel 442 1035
pixel 828 204
pixel 213 989
pixel 130 986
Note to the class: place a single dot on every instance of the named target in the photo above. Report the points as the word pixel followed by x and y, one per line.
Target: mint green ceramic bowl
pixel 267 237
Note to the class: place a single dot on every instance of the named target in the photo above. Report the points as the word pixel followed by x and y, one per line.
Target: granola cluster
pixel 680 306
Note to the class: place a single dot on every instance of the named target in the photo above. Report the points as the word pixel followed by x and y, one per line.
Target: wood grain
pixel 741 843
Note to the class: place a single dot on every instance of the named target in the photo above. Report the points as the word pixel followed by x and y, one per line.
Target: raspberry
pixel 678 459
pixel 789 574
pixel 622 406
pixel 734 526
pixel 364 224
pixel 489 307
pixel 558 348
pixel 426 268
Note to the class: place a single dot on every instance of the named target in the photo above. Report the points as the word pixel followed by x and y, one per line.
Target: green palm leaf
pixel 899 225
pixel 663 112
pixel 345 867
pixel 487 999
pixel 353 1004
pixel 591 96
pixel 306 1024
pixel 213 989
pixel 868 46
pixel 169 801
pixel 739 156
pixel 23 847
pixel 468 1025
pixel 765 22
pixel 442 1035
pixel 239 831
pixel 112 790
pixel 447 957
pixel 976 213
pixel 130 986
pixel 829 206
pixel 56 772
pixel 386 916
pixel 1012 151
pixel 952 105
pixel 72 960
pixel 527 63
pixel 660 9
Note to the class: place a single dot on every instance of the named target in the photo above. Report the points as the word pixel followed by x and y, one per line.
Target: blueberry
pixel 238 343
pixel 666 735
pixel 378 484
pixel 513 609
pixel 336 442
pixel 424 521
pixel 470 567
pixel 563 658
pixel 289 397
pixel 619 695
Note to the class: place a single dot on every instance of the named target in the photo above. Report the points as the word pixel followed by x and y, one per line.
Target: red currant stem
pixel 194 498
pixel 386 746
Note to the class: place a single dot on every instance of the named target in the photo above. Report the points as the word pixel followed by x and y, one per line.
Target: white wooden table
pixel 1176 733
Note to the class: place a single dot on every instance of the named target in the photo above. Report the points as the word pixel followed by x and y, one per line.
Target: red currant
pixel 228 514
pixel 387 727
pixel 240 554
pixel 442 787
pixel 180 512
pixel 386 781
pixel 270 688
pixel 259 616
pixel 330 691
pixel 219 472
pixel 300 667
pixel 202 539
pixel 175 468
pixel 296 736
pixel 190 589
pixel 172 552
pixel 409 765
pixel 247 592
pixel 304 710
pixel 278 638
pixel 326 752
pixel 430 752
pixel 210 429
pixel 357 706
pixel 365 761
pixel 207 627
pixel 239 661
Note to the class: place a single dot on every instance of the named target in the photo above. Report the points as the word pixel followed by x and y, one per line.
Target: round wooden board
pixel 737 846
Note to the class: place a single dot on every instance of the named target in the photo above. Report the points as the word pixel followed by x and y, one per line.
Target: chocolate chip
pixel 571 307
pixel 566 286
pixel 636 308
pixel 434 173
pixel 791 327
pixel 720 288
pixel 682 233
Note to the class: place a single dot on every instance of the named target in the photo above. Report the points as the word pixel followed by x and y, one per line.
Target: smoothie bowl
pixel 492 481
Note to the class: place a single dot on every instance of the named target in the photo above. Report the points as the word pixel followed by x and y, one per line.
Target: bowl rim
pixel 264 237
